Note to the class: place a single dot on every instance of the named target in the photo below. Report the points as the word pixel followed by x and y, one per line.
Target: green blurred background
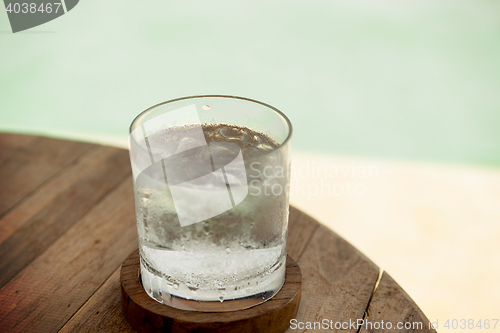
pixel 417 80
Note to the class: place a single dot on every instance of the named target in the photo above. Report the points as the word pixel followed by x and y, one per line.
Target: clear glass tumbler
pixel 211 185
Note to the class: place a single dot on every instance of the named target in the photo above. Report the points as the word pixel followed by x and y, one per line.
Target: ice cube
pixel 264 147
pixel 223 153
pixel 230 132
pixel 189 143
pixel 246 138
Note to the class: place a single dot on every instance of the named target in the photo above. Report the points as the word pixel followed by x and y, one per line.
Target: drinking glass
pixel 211 185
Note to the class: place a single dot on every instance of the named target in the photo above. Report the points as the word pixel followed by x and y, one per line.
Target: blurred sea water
pixel 403 80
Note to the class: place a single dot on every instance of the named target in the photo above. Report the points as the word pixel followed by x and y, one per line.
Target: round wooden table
pixel 67 223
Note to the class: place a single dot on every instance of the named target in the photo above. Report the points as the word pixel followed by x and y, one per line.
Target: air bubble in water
pixel 193 287
pixel 206 228
pixel 228 250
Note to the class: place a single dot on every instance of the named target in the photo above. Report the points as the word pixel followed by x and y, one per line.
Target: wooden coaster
pixel 147 315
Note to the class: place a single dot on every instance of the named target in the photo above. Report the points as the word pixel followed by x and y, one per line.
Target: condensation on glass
pixel 211 185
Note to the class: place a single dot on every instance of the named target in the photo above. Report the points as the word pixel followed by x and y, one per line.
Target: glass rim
pixel 289 124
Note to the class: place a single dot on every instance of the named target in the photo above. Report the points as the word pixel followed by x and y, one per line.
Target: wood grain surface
pixel 390 303
pixel 338 281
pixel 67 223
pixel 26 168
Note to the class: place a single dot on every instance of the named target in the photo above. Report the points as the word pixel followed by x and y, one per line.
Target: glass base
pixel 152 285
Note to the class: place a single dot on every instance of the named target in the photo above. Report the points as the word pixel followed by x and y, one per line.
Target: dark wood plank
pixel 338 281
pixel 46 294
pixel 103 312
pixel 33 164
pixel 43 196
pixel 301 228
pixel 391 304
pixel 10 143
pixel 41 230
